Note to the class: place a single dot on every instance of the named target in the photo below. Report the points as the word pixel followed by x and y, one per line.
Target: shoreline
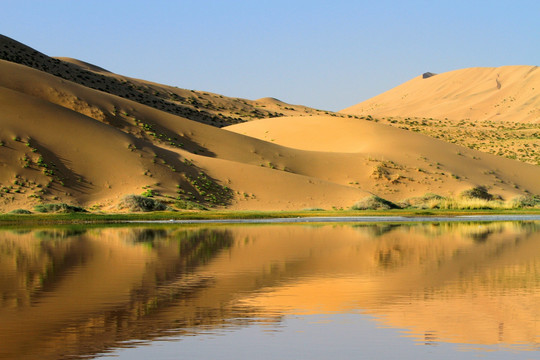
pixel 350 219
pixel 300 216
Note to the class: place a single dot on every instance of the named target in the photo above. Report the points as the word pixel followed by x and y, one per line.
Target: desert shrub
pixel 426 201
pixel 526 201
pixel 478 192
pixel 374 202
pixel 138 203
pixel 188 205
pixel 470 204
pixel 20 211
pixel 148 193
pixel 58 208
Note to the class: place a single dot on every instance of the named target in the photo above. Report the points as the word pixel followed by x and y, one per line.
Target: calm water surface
pixel 335 291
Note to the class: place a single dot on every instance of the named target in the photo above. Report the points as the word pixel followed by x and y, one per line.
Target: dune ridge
pixel 201 106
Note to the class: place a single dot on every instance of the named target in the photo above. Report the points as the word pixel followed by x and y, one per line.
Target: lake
pixel 441 290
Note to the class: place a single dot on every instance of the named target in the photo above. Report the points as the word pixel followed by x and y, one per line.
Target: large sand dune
pixel 98 152
pixel 394 163
pixel 507 93
pixel 74 142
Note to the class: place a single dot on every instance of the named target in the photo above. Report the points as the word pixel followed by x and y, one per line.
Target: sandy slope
pixel 100 159
pixel 392 162
pixel 507 93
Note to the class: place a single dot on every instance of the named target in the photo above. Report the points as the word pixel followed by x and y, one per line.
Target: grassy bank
pixel 58 218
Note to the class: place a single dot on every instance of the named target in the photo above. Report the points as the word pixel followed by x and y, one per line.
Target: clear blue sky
pixel 324 54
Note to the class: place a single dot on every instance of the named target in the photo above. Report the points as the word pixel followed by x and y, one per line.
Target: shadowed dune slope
pixel 205 107
pixel 507 93
pixel 96 147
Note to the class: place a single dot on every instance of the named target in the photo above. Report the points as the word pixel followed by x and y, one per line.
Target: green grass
pixel 75 218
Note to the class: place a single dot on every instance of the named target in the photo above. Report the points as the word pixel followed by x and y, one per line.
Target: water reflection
pixel 69 292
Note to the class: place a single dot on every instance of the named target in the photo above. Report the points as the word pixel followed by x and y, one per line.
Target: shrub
pixel 138 203
pixel 470 204
pixel 20 211
pixel 426 201
pixel 478 192
pixel 374 202
pixel 525 201
pixel 148 193
pixel 58 208
pixel 189 205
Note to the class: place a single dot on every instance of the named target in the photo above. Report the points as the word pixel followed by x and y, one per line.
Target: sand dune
pixel 74 142
pixel 99 159
pixel 394 162
pixel 507 93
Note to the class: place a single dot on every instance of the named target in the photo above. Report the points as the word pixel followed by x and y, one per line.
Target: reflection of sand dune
pixel 28 261
pixel 100 284
pixel 471 283
pixel 463 290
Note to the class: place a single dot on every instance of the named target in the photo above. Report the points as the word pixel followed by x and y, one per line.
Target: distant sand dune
pixel 507 93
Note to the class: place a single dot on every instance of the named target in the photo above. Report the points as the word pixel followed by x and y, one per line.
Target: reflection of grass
pixel 201 245
pixel 55 234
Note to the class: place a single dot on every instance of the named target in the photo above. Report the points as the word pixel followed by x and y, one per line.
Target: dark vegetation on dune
pixel 196 106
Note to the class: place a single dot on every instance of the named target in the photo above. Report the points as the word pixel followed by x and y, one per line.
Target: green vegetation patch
pixel 58 208
pixel 188 205
pixel 20 211
pixel 426 201
pixel 478 192
pixel 137 203
pixel 374 202
pixel 526 201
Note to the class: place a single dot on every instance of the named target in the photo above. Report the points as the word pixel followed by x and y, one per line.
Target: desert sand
pixel 73 132
pixel 506 93
pixel 391 162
